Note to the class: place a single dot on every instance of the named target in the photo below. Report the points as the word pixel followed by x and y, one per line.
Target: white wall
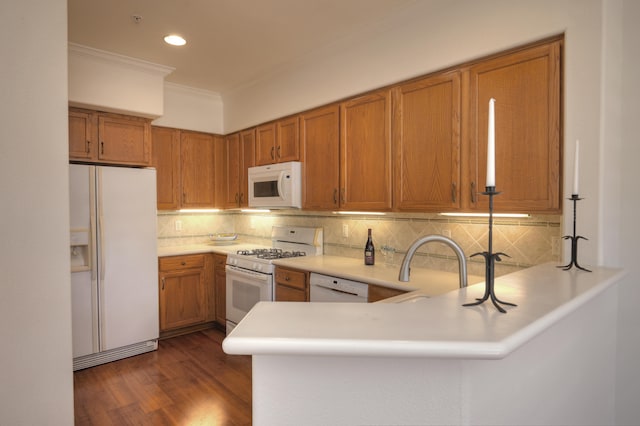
pixel 109 82
pixel 191 109
pixel 36 386
pixel 622 228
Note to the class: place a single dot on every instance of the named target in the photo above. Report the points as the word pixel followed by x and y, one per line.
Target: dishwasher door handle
pixel 337 290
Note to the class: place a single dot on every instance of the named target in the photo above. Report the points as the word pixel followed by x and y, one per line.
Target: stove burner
pixel 279 254
pixel 272 253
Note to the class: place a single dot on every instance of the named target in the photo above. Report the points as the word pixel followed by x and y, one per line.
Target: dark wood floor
pixel 189 380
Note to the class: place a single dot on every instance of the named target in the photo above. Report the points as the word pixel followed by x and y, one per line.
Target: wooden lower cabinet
pixel 379 293
pixel 291 285
pixel 186 288
pixel 220 278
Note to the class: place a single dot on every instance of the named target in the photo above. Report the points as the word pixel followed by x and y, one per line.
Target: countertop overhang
pixel 436 327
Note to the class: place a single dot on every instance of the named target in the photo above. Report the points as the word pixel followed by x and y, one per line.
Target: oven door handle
pixel 234 270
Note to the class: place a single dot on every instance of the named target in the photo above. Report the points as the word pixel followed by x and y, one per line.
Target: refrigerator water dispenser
pixel 80 252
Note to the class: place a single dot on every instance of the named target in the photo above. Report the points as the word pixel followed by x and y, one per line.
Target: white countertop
pixel 430 281
pixel 437 327
pixel 204 248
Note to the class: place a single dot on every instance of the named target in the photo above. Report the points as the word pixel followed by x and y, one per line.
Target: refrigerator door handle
pixel 101 250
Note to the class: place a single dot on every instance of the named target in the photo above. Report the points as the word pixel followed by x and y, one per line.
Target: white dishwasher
pixel 324 288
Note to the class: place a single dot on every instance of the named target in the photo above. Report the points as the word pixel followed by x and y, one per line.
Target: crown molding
pixel 121 60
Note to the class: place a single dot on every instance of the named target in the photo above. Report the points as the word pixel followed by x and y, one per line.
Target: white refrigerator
pixel 114 264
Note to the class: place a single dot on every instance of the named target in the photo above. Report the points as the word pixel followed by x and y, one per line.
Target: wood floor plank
pixel 189 380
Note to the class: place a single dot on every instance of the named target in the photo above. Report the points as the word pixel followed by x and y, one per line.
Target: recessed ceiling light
pixel 175 40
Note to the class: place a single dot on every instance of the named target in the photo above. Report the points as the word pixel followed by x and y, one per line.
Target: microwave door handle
pixel 281 186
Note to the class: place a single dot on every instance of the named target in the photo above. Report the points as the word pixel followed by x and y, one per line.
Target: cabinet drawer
pixel 181 262
pixel 291 278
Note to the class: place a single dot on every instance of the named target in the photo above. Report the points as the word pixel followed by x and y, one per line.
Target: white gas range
pixel 250 272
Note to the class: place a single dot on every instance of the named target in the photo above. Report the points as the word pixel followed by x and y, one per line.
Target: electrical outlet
pixel 345 231
pixel 178 224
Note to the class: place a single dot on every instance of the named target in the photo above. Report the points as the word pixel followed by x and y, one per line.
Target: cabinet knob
pixel 102 147
pixel 163 283
pixel 88 147
pixel 278 151
pixel 273 157
pixel 183 263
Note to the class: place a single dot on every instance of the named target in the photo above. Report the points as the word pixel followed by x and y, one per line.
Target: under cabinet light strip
pixel 199 210
pixel 510 215
pixel 360 213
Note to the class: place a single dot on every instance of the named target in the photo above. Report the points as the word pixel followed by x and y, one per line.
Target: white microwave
pixel 276 185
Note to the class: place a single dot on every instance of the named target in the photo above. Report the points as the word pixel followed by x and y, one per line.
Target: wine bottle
pixel 369 251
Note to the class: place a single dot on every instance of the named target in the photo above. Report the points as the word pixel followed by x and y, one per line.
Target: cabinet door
pixel 232 184
pixel 166 159
pixel 220 170
pixel 365 147
pixel 197 170
pixel 82 135
pixel 247 159
pixel 182 298
pixel 320 140
pixel 426 135
pixel 526 87
pixel 124 140
pixel 266 144
pixel 287 140
pixel 221 287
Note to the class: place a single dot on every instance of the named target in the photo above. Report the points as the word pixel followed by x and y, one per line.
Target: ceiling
pixel 230 43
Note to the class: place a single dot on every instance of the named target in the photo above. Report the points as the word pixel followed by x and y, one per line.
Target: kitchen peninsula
pixel 428 360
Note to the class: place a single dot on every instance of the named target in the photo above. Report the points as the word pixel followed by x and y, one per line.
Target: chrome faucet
pixel 462 261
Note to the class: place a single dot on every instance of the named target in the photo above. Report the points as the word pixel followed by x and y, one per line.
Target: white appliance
pixel 276 185
pixel 114 264
pixel 250 272
pixel 324 288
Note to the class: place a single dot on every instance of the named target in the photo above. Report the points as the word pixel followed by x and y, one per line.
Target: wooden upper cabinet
pixel 83 135
pixel 166 160
pixel 365 152
pixel 232 181
pixel 101 137
pixel 277 142
pixel 197 170
pixel 426 137
pixel 526 87
pixel 265 144
pixel 320 146
pixel 240 155
pixel 287 140
pixel 247 159
pixel 124 140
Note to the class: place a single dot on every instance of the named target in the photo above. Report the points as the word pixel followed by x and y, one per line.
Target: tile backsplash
pixel 528 241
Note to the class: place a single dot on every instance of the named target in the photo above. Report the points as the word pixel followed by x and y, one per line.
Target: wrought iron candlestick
pixel 574 239
pixel 490 258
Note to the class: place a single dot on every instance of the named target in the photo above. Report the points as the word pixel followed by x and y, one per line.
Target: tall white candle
pixel 576 166
pixel 491 146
